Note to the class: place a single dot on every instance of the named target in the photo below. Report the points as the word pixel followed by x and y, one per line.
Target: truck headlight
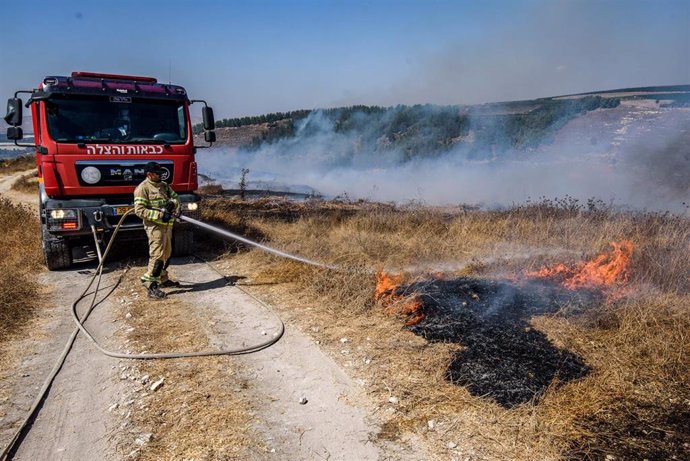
pixel 62 220
pixel 91 175
pixel 192 206
pixel 63 214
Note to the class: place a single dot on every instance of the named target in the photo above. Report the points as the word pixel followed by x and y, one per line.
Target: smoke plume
pixel 636 155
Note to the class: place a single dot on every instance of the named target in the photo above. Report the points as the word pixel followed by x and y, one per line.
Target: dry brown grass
pixel 20 259
pixel 27 183
pixel 198 413
pixel 210 189
pixel 16 164
pixel 637 347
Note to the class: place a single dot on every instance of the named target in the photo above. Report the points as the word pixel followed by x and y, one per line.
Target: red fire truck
pixel 93 135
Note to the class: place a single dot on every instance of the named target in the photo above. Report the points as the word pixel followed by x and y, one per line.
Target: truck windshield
pixel 115 119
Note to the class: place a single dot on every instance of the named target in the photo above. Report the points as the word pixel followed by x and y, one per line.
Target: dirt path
pixel 72 423
pixel 17 197
pixel 75 421
pixel 332 423
pixel 303 405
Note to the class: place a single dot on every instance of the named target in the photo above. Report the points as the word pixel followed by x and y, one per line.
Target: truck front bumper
pixel 74 217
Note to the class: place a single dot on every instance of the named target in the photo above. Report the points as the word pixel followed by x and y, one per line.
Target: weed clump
pixel 27 183
pixel 16 164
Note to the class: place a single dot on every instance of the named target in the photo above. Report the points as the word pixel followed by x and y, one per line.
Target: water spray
pixel 265 248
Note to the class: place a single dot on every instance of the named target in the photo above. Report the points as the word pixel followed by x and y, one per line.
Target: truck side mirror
pixel 14 112
pixel 15 133
pixel 210 136
pixel 209 121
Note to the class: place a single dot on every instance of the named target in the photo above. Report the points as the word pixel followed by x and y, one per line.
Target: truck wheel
pixel 56 252
pixel 183 242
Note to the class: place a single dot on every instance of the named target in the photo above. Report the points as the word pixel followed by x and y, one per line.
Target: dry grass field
pixel 631 398
pixel 21 255
pixel 20 260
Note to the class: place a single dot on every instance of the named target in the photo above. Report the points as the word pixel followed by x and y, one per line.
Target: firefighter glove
pixel 170 207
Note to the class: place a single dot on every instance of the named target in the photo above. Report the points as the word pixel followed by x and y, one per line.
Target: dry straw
pixel 637 346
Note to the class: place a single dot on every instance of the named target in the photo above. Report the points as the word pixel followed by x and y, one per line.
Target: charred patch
pixel 503 357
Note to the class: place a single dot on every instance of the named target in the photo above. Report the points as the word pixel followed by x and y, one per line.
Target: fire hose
pixel 21 432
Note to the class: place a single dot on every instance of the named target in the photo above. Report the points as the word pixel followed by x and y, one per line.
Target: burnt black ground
pixel 503 357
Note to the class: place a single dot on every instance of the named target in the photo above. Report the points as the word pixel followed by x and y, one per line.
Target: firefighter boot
pixel 154 292
pixel 165 281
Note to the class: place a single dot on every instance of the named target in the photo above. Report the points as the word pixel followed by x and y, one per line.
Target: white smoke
pixel 640 159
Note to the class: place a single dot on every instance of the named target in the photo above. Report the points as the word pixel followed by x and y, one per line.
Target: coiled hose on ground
pixel 9 451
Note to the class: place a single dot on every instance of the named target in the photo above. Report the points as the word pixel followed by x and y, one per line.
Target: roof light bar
pixel 114 77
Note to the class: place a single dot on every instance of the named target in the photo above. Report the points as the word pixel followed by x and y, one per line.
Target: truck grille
pixel 117 172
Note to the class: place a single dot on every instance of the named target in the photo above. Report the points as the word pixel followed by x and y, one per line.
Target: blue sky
pixel 253 57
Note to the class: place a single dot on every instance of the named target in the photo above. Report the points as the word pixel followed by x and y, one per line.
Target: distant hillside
pixel 243 135
pixel 424 130
pixel 648 92
pixel 428 130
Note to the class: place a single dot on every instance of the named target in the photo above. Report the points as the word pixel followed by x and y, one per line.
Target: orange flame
pixel 605 269
pixel 394 304
pixel 386 284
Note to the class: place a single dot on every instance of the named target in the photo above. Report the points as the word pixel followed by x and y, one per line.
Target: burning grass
pixel 550 368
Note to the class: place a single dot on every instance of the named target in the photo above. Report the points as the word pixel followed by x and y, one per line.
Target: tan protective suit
pixel 149 195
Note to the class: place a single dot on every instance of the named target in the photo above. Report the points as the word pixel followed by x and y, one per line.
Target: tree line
pixel 255 119
pixel 427 130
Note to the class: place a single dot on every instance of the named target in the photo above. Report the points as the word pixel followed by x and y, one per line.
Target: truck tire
pixel 183 242
pixel 56 252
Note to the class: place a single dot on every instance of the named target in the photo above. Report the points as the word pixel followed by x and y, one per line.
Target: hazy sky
pixel 253 57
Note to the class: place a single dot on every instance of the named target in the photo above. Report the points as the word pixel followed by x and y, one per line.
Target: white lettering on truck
pixel 106 149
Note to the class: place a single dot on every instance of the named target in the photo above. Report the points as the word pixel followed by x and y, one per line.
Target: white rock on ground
pixel 155 386
pixel 143 438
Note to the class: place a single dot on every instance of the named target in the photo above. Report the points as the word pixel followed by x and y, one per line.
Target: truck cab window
pixel 98 119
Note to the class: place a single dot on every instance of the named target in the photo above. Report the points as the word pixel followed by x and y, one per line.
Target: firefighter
pixel 156 204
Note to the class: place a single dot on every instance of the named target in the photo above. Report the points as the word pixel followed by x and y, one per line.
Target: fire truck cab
pixel 93 135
